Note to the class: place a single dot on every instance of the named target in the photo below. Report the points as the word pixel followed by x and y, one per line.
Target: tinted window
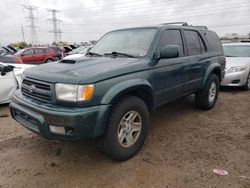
pixel 39 51
pixel 213 41
pixel 195 45
pixel 172 37
pixel 28 52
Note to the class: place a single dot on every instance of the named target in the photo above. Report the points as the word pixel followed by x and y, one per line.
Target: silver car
pixel 8 83
pixel 237 65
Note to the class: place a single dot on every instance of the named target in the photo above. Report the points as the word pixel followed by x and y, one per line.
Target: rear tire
pixel 49 60
pixel 207 97
pixel 247 86
pixel 126 130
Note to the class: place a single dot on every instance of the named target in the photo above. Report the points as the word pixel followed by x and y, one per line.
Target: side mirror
pixel 22 55
pixel 169 51
pixel 6 69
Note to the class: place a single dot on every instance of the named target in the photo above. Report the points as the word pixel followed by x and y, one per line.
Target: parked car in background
pixel 58 51
pixel 8 83
pixel 78 52
pixel 238 65
pixel 109 94
pixel 31 56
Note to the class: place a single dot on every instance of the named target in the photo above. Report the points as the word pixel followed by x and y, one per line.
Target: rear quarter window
pixel 213 41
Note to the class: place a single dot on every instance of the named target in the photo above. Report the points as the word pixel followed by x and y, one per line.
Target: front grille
pixel 37 90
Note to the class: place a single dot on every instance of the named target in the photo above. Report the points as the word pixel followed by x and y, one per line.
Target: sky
pixel 85 20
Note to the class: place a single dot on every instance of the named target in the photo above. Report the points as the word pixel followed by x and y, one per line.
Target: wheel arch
pixel 136 87
pixel 213 69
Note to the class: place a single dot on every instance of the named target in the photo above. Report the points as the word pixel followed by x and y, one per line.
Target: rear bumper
pixel 78 123
pixel 235 79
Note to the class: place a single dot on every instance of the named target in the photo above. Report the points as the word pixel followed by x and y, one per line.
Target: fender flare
pixel 210 69
pixel 124 87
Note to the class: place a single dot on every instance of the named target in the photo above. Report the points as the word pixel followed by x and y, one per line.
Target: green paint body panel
pixel 161 80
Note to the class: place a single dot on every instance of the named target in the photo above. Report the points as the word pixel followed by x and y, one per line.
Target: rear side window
pixel 213 41
pixel 195 45
pixel 172 37
pixel 39 51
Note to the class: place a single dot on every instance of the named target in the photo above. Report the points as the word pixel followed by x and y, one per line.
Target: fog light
pixel 56 129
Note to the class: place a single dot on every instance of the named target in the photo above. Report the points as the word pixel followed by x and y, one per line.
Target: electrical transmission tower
pixel 32 26
pixel 55 21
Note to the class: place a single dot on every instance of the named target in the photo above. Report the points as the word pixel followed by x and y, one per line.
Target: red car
pixel 31 56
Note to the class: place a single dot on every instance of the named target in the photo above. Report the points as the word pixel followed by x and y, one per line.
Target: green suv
pixel 109 94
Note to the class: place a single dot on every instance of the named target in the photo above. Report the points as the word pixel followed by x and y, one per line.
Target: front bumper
pixel 79 123
pixel 235 79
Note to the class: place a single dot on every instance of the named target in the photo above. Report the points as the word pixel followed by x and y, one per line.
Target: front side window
pixel 28 52
pixel 172 37
pixel 135 42
pixel 236 51
pixel 195 44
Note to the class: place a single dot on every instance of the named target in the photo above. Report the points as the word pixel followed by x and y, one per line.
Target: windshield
pixel 19 52
pixel 237 51
pixel 135 42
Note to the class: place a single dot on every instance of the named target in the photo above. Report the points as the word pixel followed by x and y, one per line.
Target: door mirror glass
pixel 169 51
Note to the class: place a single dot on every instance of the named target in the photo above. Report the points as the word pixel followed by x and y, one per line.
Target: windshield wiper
pixel 93 54
pixel 120 53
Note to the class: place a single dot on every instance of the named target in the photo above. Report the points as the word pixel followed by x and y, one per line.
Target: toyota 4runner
pixel 109 94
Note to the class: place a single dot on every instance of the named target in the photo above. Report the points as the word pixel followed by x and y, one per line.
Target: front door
pixel 168 77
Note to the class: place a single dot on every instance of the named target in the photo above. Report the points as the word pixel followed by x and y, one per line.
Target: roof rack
pixel 185 24
pixel 180 23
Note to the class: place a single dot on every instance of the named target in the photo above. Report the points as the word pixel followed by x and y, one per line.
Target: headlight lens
pixel 74 93
pixel 237 69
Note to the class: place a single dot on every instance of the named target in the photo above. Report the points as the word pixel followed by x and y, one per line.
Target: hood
pixel 237 61
pixel 86 70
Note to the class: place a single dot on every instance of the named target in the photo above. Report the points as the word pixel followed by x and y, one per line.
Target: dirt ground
pixel 183 147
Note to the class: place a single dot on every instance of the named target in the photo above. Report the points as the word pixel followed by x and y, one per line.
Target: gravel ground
pixel 183 147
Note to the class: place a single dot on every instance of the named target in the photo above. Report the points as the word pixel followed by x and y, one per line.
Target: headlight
pixel 70 92
pixel 237 69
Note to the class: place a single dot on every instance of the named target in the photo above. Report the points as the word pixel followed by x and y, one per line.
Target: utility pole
pixel 55 21
pixel 23 33
pixel 32 26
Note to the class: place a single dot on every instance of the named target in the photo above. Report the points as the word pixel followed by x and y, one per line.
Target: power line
pixel 23 33
pixel 32 26
pixel 55 21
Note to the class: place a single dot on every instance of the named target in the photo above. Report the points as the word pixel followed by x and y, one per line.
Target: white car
pixel 238 65
pixel 19 69
pixel 78 53
pixel 8 83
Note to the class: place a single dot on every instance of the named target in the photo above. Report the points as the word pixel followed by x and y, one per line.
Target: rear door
pixel 198 55
pixel 40 55
pixel 168 77
pixel 28 56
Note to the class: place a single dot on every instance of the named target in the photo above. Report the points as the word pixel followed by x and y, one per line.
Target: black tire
pixel 246 87
pixel 109 143
pixel 202 99
pixel 49 60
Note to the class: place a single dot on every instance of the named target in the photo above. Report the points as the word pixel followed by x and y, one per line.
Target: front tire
pixel 207 97
pixel 127 129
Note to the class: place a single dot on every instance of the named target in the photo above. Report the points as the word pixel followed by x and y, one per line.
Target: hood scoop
pixel 67 61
